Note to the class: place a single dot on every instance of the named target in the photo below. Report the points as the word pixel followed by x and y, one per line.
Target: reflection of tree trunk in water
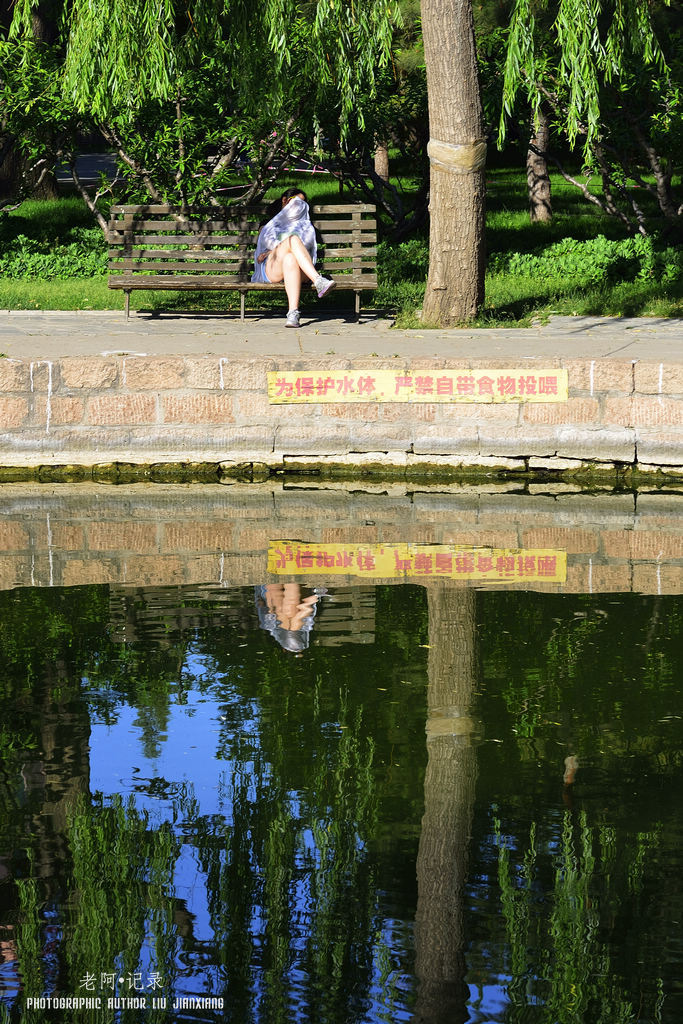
pixel 449 800
pixel 63 771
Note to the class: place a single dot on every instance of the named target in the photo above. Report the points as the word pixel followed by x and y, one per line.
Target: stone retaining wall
pixel 220 535
pixel 90 411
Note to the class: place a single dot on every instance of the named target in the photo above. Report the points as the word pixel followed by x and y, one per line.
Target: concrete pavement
pixel 52 335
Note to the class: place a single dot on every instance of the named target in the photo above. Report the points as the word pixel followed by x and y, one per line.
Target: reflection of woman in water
pixel 286 615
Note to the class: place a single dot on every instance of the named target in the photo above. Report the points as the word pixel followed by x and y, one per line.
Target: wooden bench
pixel 156 247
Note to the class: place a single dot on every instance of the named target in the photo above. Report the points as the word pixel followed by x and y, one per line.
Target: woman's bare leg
pixel 290 262
pixel 292 274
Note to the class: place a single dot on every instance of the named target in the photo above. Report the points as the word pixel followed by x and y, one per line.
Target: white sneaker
pixel 323 285
pixel 293 318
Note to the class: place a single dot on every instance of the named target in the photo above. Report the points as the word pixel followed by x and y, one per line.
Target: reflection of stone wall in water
pixel 158 535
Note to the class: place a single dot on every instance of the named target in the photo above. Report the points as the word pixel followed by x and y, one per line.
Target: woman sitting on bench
pixel 286 251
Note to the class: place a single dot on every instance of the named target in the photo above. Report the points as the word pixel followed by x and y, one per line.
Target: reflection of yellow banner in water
pixel 417 561
pixel 286 387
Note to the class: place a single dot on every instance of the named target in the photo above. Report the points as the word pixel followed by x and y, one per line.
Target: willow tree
pixel 199 95
pixel 457 152
pixel 607 73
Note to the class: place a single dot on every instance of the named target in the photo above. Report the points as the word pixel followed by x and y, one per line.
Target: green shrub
pixel 81 253
pixel 403 261
pixel 594 261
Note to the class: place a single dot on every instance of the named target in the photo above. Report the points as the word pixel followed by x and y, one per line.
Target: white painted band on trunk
pixel 463 159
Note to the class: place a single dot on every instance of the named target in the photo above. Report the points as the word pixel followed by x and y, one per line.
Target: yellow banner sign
pixel 291 387
pixel 417 561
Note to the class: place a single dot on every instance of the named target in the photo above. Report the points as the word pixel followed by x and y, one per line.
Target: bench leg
pixel 126 296
pixel 357 305
pixel 242 298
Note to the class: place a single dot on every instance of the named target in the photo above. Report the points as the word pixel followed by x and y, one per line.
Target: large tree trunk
pixel 457 151
pixel 449 801
pixel 537 176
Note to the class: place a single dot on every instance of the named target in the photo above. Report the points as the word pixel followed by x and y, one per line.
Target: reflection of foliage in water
pixel 290 887
pixel 574 978
pixel 120 901
pixel 584 664
pixel 296 859
pixel 122 872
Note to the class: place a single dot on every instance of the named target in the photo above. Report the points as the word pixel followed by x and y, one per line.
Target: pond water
pixel 446 804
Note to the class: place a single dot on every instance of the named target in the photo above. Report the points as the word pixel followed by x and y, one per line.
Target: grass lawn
pixel 53 257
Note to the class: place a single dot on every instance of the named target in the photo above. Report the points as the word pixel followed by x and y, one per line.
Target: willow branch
pixel 135 166
pixel 87 199
pixel 225 157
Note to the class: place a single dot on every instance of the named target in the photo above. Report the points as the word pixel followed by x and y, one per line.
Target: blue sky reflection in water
pixel 181 797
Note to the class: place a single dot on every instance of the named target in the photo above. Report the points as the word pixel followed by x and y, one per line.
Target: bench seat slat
pixel 341 266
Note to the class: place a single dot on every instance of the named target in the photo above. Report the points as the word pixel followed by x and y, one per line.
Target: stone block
pixel 563 538
pixel 13 411
pixel 616 544
pixel 85 372
pixel 658 378
pixel 662 447
pixel 78 572
pixel 122 536
pixel 58 411
pixel 153 373
pixel 217 568
pixel 152 570
pixel 442 439
pixel 604 578
pixel 551 463
pixel 600 375
pixel 203 373
pixel 567 442
pixel 42 374
pixel 659 511
pixel 68 537
pixel 198 408
pixel 583 411
pixel 14 375
pixel 15 571
pixel 657 579
pixel 245 374
pixel 643 411
pixel 254 407
pixel 656 545
pixel 13 536
pixel 256 539
pixel 198 536
pixel 120 410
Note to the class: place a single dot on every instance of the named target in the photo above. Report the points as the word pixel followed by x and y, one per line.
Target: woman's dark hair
pixel 276 205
